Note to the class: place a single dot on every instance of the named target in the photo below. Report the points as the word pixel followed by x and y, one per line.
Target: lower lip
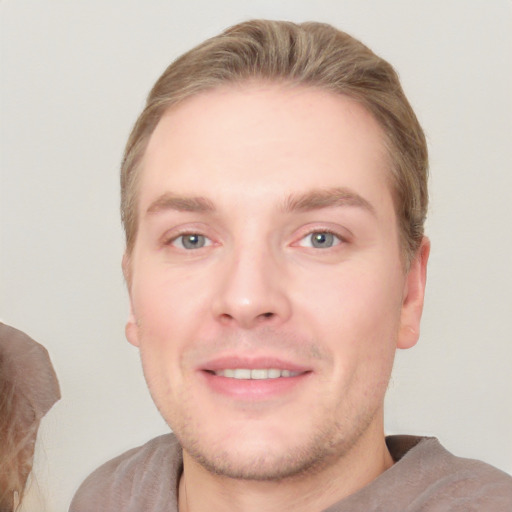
pixel 253 389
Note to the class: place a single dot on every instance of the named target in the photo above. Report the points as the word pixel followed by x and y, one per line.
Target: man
pixel 273 196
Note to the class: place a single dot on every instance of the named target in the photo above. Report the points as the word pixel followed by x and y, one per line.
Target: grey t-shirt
pixel 425 477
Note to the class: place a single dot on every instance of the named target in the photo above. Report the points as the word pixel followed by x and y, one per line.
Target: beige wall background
pixel 74 75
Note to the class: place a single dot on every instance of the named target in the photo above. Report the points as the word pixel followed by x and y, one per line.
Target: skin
pixel 275 168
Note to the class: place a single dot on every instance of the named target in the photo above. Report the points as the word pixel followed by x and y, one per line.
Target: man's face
pixel 267 287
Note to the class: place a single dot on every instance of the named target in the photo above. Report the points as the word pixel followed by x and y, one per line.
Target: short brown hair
pixel 309 54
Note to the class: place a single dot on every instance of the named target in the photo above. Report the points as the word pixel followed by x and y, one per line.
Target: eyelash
pixel 172 239
pixel 340 239
pixel 169 241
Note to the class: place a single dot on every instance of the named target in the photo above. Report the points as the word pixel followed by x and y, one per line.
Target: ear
pixel 413 298
pixel 132 327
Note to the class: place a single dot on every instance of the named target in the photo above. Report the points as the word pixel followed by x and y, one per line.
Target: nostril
pixel 225 317
pixel 267 315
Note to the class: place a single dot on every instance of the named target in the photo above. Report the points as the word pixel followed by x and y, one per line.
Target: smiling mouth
pixel 255 373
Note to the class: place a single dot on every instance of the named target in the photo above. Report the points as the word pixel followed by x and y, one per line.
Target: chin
pixel 264 458
pixel 255 465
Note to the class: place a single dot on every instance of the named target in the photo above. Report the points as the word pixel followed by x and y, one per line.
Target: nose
pixel 251 291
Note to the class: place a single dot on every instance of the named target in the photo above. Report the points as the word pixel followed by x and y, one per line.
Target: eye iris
pixel 322 240
pixel 193 241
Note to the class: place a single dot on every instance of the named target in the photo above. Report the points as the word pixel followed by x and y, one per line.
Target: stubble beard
pixel 330 436
pixel 327 445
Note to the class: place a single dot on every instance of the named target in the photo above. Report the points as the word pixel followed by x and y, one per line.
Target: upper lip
pixel 253 363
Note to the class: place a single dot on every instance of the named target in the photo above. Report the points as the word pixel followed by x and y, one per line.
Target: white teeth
pixel 259 374
pixel 256 373
pixel 241 373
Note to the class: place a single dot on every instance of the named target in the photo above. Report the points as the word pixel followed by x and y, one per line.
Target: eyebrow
pixel 182 204
pixel 326 198
pixel 312 200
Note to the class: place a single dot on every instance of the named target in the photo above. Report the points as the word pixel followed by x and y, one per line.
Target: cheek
pixel 164 305
pixel 160 311
pixel 354 301
pixel 171 310
pixel 356 317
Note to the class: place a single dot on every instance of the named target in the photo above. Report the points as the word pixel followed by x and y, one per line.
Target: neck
pixel 313 491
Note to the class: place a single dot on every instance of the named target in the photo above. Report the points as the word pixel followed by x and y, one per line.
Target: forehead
pixel 264 140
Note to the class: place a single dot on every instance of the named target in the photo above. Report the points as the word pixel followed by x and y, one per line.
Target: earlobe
pixel 414 295
pixel 132 329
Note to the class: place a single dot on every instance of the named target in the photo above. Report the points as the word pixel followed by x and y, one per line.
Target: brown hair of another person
pixel 16 445
pixel 28 389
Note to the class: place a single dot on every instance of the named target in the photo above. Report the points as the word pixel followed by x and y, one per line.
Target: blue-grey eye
pixel 320 240
pixel 191 241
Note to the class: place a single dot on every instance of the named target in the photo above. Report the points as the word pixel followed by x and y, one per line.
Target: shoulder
pixel 444 480
pixel 144 478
